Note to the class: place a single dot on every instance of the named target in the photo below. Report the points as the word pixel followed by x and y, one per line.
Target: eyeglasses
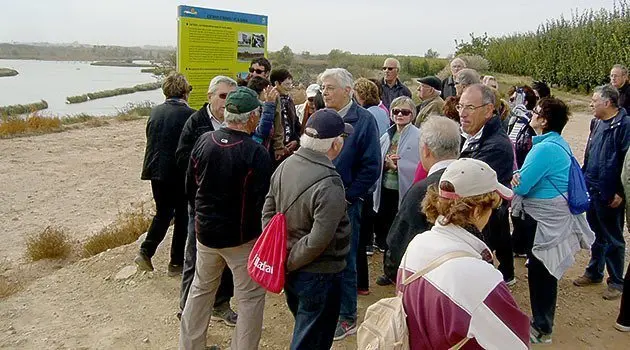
pixel 536 112
pixel 457 83
pixel 389 68
pixel 311 99
pixel 258 71
pixel 470 108
pixel 223 96
pixel 404 112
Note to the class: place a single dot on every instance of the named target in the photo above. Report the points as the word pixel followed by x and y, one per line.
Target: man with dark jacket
pixel 448 84
pixel 603 161
pixel 308 189
pixel 208 118
pixel 486 140
pixel 167 181
pixel 229 172
pixel 439 146
pixel 619 79
pixel 359 165
pixel 392 86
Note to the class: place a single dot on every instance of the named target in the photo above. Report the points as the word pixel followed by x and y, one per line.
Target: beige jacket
pixel 432 106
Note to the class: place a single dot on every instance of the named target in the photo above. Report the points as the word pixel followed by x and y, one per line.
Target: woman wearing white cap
pixel 452 294
pixel 306 109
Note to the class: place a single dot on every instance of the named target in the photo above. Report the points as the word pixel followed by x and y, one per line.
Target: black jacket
pixel 229 172
pixel 448 88
pixel 495 148
pixel 163 129
pixel 624 97
pixel 198 124
pixel 409 222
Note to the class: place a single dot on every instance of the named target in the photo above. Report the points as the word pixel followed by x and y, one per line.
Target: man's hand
pixel 616 202
pixel 280 153
pixel 516 179
pixel 270 94
pixel 292 146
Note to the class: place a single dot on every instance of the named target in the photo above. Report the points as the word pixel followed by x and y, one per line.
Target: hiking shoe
pixel 179 315
pixel 225 314
pixel 380 249
pixel 143 262
pixel 369 250
pixel 511 282
pixel 344 329
pixel 363 291
pixel 520 255
pixel 535 337
pixel 584 281
pixel 622 328
pixel 174 270
pixel 612 293
pixel 384 281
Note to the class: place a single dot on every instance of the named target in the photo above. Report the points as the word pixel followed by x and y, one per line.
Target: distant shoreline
pixel 121 64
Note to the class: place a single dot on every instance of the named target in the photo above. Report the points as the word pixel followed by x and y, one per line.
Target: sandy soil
pixel 81 178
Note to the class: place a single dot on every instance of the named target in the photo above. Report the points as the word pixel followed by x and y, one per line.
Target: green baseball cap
pixel 242 100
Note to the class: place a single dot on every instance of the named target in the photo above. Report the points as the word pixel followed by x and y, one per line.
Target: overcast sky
pixel 360 26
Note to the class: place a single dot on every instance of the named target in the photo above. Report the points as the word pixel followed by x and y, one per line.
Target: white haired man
pixel 448 84
pixel 208 118
pixel 359 165
pixel 619 79
pixel 227 220
pixel 432 104
pixel 310 192
pixel 392 87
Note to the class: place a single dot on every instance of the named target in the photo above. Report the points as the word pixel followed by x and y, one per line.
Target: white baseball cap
pixel 312 90
pixel 472 177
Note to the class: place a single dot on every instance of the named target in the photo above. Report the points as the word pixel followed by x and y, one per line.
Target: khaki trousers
pixel 250 297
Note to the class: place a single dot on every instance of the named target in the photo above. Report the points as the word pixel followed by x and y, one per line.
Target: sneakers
pixel 225 314
pixel 344 329
pixel 622 328
pixel 174 270
pixel 143 262
pixel 384 281
pixel 369 250
pixel 511 282
pixel 520 255
pixel 363 292
pixel 535 337
pixel 584 281
pixel 612 293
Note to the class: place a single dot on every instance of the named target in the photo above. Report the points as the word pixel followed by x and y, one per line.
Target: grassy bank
pixel 12 110
pixel 34 124
pixel 8 72
pixel 114 92
pixel 120 64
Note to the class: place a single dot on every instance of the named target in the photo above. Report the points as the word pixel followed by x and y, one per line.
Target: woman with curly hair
pixel 452 294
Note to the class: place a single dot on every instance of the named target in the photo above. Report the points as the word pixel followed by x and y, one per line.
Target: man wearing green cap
pixel 227 220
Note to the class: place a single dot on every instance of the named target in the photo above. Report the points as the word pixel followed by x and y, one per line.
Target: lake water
pixel 53 81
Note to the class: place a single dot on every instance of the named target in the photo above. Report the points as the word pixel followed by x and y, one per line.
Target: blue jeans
pixel 609 246
pixel 349 275
pixel 313 299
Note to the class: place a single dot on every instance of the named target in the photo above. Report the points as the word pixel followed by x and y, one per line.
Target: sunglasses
pixel 223 96
pixel 404 112
pixel 389 68
pixel 258 71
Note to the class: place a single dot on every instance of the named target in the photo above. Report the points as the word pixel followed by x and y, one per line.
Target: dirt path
pixel 82 178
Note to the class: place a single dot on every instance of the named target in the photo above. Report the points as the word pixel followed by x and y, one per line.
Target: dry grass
pixel 52 243
pixel 7 287
pixel 125 230
pixel 33 124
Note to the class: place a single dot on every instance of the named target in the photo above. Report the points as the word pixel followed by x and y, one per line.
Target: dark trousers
pixel 387 211
pixel 519 238
pixel 624 310
pixel 365 239
pixel 314 300
pixel 543 287
pixel 170 201
pixel 609 247
pixel 226 287
pixel 497 235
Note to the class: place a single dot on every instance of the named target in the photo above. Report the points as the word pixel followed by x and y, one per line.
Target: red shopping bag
pixel 267 259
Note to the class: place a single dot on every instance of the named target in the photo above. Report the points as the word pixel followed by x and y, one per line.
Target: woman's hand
pixel 270 94
pixel 391 162
pixel 516 179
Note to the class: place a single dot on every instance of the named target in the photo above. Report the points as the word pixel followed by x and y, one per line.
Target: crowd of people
pixel 358 168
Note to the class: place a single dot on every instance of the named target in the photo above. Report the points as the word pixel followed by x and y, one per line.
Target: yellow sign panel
pixel 214 42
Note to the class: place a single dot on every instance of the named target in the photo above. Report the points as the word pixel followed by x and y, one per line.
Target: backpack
pixel 267 260
pixel 577 197
pixel 385 323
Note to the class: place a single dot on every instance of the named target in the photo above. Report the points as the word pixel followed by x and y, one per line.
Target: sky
pixel 360 26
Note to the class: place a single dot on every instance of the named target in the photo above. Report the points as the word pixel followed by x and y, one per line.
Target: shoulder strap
pixel 434 264
pixel 303 191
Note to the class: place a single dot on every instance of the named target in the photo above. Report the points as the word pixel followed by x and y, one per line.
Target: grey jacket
pixel 318 230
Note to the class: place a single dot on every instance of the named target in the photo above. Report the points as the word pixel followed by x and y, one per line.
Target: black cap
pixel 432 81
pixel 326 124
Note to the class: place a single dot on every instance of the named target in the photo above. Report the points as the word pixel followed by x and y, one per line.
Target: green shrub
pixel 77 99
pixel 23 109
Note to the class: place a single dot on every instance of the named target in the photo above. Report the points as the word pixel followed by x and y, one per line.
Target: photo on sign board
pixel 258 40
pixel 246 54
pixel 242 75
pixel 244 39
